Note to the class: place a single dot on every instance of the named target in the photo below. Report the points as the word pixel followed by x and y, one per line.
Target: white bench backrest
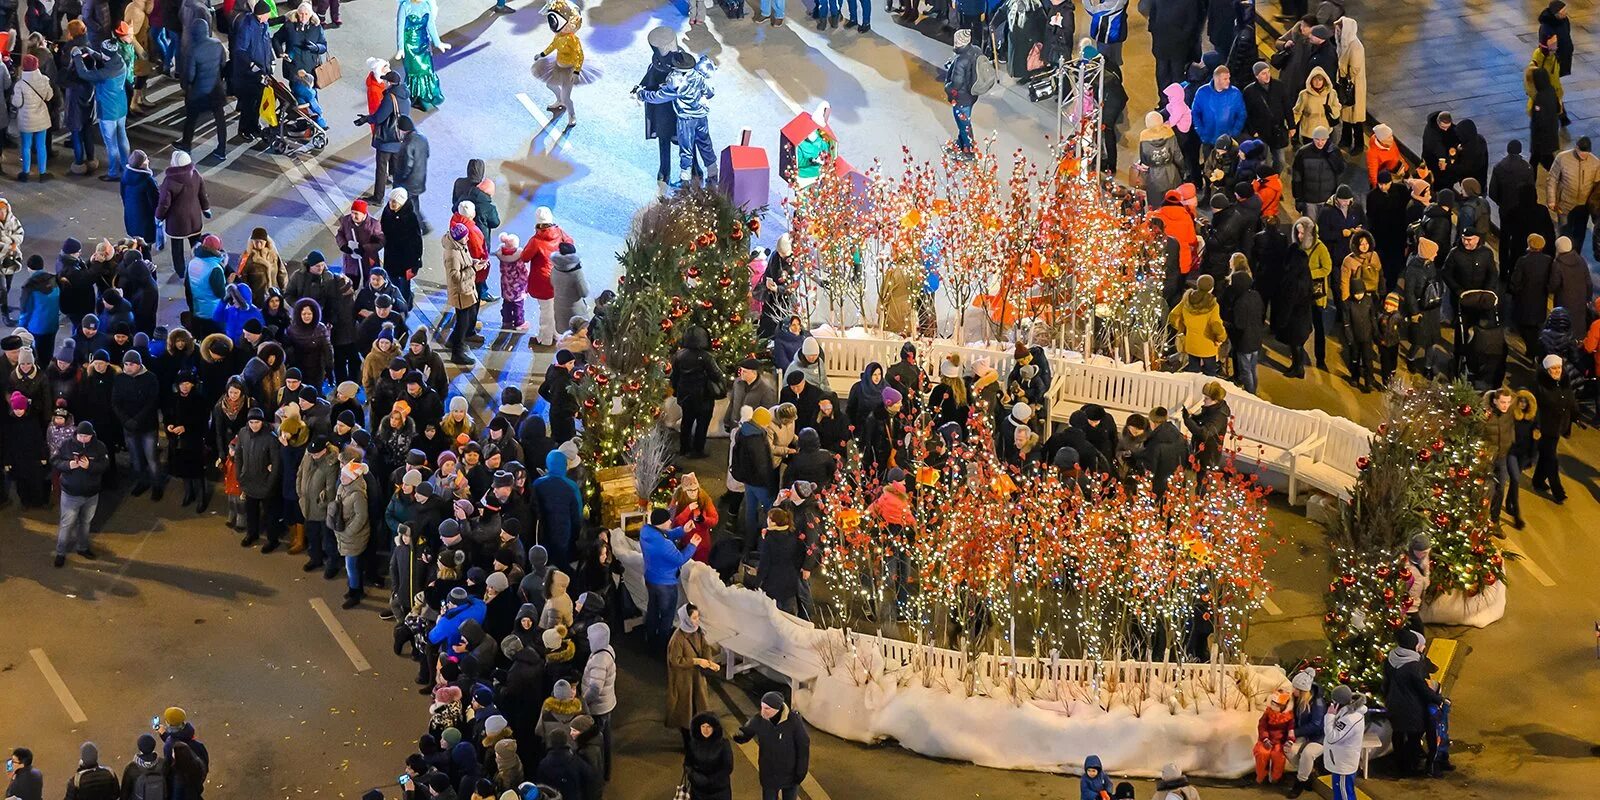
pixel 1257 420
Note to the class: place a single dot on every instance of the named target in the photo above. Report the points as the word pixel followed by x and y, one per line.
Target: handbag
pixel 328 72
pixel 1346 90
pixel 683 792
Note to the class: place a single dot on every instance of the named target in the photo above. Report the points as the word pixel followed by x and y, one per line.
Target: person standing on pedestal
pixel 416 37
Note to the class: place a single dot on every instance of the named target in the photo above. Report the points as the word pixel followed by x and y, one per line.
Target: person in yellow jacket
pixel 567 69
pixel 1198 319
pixel 1544 57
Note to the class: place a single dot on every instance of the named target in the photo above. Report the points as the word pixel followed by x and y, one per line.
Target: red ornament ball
pixel 1489 578
pixel 1363 462
pixel 1348 580
pixel 1438 445
pixel 1466 410
pixel 725 281
pixel 1424 455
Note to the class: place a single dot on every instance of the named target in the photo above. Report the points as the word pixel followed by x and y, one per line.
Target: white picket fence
pixel 1307 447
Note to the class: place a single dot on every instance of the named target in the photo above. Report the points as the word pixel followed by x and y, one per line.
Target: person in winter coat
pixel 104 69
pixel 301 42
pixel 254 452
pixel 460 272
pixel 1218 109
pixel 360 239
pixel 1557 404
pixel 1553 22
pixel 1317 170
pixel 784 746
pixel 513 282
pixel 600 686
pixel 708 759
pixel 1160 159
pixel 310 347
pixel 1360 334
pixel 1246 328
pixel 140 195
pixel 1571 283
pixel 185 416
pixel 570 289
pixel 81 462
pixel 31 95
pixel 696 380
pixel 1199 321
pixel 1269 111
pixel 1544 121
pixel 136 401
pixel 1337 221
pixel 1299 308
pixel 1274 737
pixel 1407 694
pixel 184 207
pixel 402 231
pixel 250 58
pixel 1568 185
pixel 476 188
pixel 1174 37
pixel 1305 744
pixel 261 267
pixel 1317 105
pixel 1094 784
pixel 540 255
pixel 1178 223
pixel 92 781
pixel 387 142
pixel 1208 427
pixel 200 73
pixel 1344 731
pixel 1529 285
pixel 781 560
pixel 1352 72
pixel 690 657
pixel 317 482
pixel 41 309
pixel 560 507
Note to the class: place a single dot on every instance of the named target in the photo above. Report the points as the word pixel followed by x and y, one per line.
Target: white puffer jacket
pixel 31 96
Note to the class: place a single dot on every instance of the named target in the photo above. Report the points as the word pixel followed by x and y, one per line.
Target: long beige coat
pixel 460 277
pixel 686 683
pixel 1353 67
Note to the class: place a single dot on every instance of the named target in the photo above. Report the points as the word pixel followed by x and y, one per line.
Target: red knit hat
pixel 359 205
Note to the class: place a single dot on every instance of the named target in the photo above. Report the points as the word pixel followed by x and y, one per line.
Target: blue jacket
pixel 1090 788
pixel 110 86
pixel 139 198
pixel 231 317
pixel 662 558
pixel 1308 721
pixel 560 503
pixel 207 276
pixel 41 306
pixel 449 624
pixel 1216 113
pixel 251 43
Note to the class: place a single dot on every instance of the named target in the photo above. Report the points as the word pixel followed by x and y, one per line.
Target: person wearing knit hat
pixel 1557 408
pixel 81 463
pixel 784 746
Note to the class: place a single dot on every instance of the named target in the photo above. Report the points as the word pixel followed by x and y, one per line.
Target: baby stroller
pixel 288 126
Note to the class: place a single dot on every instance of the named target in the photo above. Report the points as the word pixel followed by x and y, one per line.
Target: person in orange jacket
pixel 1179 221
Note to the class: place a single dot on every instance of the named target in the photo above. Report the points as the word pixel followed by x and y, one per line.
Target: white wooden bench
pixel 1282 439
pixel 742 653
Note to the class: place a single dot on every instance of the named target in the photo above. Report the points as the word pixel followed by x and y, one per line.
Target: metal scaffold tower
pixel 1078 112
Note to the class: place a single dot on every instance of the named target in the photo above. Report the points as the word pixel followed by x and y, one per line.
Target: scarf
pixel 684 623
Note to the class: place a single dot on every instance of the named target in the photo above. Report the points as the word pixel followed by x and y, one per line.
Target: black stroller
pixel 288 126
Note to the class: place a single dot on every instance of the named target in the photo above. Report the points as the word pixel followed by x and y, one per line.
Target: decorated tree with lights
pixel 830 227
pixel 963 238
pixel 1036 561
pixel 1453 476
pixel 683 266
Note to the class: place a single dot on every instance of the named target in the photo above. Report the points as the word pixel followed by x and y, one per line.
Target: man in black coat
pixel 255 454
pixel 1469 267
pixel 1408 694
pixel 1557 405
pixel 785 747
pixel 135 398
pixel 410 168
pixel 782 558
pixel 1246 324
pixel 805 397
pixel 1530 293
pixel 1509 176
pixel 1174 36
pixel 1317 170
pixel 1386 221
pixel 660 119
pixel 1163 451
pixel 695 379
pixel 1098 429
pixel 1208 427
pixel 565 771
pixel 82 462
pixel 811 462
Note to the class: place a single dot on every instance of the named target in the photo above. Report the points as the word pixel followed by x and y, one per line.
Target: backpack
pixel 152 785
pixel 1432 294
pixel 983 76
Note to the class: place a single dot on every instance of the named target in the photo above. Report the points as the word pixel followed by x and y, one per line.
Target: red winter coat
pixel 1179 223
pixel 544 244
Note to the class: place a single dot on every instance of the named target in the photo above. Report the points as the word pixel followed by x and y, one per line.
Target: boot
pixel 188 494
pixel 297 539
pixel 1298 788
pixel 351 599
pixel 402 636
pixel 157 491
pixel 205 499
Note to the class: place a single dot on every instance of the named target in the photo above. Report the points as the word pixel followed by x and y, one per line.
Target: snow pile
pixel 1458 608
pixel 859 697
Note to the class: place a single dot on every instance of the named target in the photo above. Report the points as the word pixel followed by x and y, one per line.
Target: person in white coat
pixel 1343 730
pixel 600 686
pixel 30 96
pixel 1352 72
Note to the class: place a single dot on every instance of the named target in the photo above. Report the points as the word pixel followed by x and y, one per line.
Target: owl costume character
pixel 567 69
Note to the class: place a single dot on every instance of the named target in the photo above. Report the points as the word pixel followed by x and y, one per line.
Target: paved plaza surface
pixel 175 613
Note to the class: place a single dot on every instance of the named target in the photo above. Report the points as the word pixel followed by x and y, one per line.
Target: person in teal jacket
pixel 104 67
